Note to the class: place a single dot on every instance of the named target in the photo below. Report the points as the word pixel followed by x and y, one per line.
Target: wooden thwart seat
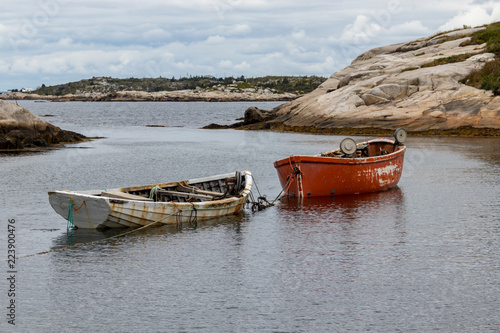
pixel 186 195
pixel 182 190
pixel 194 189
pixel 123 195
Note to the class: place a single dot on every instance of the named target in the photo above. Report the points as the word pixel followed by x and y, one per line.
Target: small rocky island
pixel 198 88
pixel 20 129
pixel 444 84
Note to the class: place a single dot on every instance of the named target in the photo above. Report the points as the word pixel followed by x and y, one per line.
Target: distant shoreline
pixel 164 96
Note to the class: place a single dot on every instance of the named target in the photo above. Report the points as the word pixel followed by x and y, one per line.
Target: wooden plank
pixel 186 195
pixel 193 189
pixel 122 195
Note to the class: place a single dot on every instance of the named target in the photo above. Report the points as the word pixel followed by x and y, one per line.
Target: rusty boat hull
pixel 165 203
pixel 378 167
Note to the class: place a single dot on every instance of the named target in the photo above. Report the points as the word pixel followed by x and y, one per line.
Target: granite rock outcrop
pixel 401 85
pixel 20 129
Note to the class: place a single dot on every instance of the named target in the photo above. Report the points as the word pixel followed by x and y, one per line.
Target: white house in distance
pixel 24 90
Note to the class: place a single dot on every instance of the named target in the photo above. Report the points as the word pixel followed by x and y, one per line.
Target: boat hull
pixel 91 211
pixel 327 176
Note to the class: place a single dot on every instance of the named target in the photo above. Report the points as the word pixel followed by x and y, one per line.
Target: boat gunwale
pixel 344 160
pixel 203 205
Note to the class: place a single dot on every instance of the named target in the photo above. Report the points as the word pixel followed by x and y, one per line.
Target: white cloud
pixel 225 64
pixel 65 42
pixel 4 66
pixel 363 30
pixel 156 34
pixel 238 29
pixel 474 16
pixel 321 67
pixel 243 66
pixel 301 34
pixel 3 29
pixel 215 39
pixel 411 28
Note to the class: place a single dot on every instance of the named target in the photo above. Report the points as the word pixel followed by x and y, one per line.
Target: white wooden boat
pixel 170 203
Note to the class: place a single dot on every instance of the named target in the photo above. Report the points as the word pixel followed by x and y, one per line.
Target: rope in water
pixel 193 222
pixel 100 240
pixel 285 189
pixel 69 224
pixel 260 204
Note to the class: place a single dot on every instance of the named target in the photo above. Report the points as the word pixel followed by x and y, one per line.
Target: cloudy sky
pixel 58 41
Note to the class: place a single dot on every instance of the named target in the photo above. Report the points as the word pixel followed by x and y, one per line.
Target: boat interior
pixel 350 149
pixel 366 149
pixel 183 191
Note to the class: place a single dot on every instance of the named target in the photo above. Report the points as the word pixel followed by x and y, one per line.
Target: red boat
pixel 369 166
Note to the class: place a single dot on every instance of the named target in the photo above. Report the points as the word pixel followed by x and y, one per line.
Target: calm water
pixel 422 257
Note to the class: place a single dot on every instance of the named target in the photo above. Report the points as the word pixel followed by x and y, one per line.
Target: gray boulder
pixel 20 129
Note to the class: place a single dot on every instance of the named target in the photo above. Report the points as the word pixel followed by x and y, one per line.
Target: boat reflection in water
pixel 108 237
pixel 384 205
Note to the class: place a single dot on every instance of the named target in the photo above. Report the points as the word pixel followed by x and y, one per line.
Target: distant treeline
pixel 277 84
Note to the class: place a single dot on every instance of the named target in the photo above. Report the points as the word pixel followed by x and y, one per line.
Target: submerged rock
pixel 19 129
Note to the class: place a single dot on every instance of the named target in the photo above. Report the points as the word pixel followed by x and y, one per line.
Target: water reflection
pixel 480 148
pixel 344 208
pixel 485 149
pixel 77 237
pixel 380 261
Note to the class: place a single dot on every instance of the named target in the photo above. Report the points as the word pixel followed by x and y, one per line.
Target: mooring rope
pixel 259 204
pixel 70 217
pixel 99 240
pixel 262 203
pixel 69 224
pixel 285 189
pixel 193 222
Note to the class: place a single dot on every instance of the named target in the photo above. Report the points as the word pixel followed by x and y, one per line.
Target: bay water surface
pixel 422 257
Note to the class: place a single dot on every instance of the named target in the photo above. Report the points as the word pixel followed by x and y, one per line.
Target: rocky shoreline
pixel 256 119
pixel 195 95
pixel 416 85
pixel 22 130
